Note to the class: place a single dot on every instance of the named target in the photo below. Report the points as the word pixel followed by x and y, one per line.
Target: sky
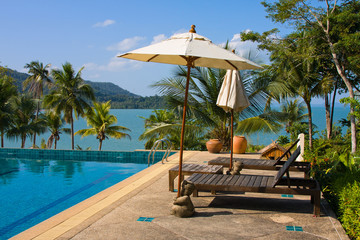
pixel 91 34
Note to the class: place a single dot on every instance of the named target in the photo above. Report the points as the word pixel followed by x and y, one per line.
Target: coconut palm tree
pixel 55 125
pixel 24 123
pixel 7 92
pixel 293 111
pixel 36 82
pixel 70 95
pixel 101 122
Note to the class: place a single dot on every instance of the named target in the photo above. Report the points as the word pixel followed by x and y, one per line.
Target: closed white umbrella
pixel 232 97
pixel 191 50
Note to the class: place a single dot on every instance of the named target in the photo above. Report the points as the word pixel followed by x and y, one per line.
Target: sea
pixel 133 119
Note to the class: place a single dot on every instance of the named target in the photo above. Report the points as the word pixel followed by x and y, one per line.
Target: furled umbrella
pixel 191 50
pixel 232 97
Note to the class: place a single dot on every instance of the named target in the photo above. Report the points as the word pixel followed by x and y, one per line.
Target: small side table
pixel 189 169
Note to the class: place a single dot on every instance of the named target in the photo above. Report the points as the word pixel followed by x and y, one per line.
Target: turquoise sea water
pixel 130 118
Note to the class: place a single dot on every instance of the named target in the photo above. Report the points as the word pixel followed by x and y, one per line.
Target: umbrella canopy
pixel 181 47
pixel 232 94
pixel 232 97
pixel 191 50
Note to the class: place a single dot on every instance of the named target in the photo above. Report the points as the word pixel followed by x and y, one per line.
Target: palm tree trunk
pixel 332 109
pixel 310 123
pixel 2 139
pixel 55 143
pixel 100 144
pixel 327 116
pixel 36 117
pixel 72 130
pixel 23 138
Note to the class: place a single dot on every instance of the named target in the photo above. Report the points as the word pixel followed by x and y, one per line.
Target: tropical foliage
pixel 24 123
pixel 101 121
pixel 70 96
pixel 7 92
pixel 202 111
pixel 35 83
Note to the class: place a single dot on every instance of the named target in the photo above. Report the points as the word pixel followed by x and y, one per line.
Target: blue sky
pixel 92 33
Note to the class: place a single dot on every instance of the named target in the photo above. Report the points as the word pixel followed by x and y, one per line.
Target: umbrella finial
pixel 192 30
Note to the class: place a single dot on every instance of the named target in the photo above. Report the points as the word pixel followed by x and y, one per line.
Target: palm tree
pixel 205 84
pixel 36 82
pixel 24 123
pixel 70 95
pixel 7 92
pixel 54 124
pixel 293 111
pixel 102 124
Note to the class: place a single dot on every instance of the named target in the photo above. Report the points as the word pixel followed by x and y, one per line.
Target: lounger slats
pixel 211 178
pixel 251 181
pixel 245 183
pixel 208 176
pixel 222 179
pixel 264 181
pixel 258 181
pixel 195 177
pixel 216 180
pixel 233 180
pixel 226 182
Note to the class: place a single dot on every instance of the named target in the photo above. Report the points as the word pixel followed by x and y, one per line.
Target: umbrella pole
pixel 232 138
pixel 183 128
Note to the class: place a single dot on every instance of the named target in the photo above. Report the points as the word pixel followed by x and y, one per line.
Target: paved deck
pixel 113 213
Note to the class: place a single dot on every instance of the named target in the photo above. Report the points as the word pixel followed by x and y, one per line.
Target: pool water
pixel 33 190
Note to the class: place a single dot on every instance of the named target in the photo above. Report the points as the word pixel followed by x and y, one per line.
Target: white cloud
pixel 158 38
pixel 115 64
pixel 248 49
pixel 104 23
pixel 126 44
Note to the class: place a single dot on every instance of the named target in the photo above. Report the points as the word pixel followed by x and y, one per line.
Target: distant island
pixel 105 91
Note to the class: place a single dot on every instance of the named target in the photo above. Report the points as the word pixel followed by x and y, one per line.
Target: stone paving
pixel 114 213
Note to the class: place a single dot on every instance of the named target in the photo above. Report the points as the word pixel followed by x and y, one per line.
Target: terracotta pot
pixel 214 145
pixel 240 144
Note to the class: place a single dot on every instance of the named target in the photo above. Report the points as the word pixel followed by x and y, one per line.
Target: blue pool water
pixel 32 190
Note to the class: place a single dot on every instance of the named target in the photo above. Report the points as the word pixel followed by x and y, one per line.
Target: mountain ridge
pixel 105 91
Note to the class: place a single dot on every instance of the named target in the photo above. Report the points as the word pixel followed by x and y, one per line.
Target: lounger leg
pixel 172 176
pixel 213 192
pixel 195 193
pixel 316 200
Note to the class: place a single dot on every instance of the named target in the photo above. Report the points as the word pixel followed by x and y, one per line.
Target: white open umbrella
pixel 191 50
pixel 232 97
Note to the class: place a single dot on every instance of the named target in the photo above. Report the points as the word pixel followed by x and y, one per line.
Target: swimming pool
pixel 34 189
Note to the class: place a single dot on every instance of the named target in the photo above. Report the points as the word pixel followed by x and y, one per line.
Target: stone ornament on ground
pixel 183 206
pixel 238 166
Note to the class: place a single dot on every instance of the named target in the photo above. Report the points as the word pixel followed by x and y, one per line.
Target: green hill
pixel 105 91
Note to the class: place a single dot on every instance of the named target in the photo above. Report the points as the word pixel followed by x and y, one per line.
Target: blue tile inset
pixel 298 229
pixel 290 228
pixel 148 219
pixel 144 219
pixel 294 228
pixel 141 219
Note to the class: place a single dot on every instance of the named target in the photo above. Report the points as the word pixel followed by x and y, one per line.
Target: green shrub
pixel 349 204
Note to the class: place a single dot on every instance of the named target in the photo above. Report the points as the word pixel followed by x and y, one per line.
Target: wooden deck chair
pixel 277 184
pixel 266 164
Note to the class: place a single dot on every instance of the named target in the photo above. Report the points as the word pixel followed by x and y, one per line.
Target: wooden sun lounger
pixel 188 169
pixel 265 164
pixel 262 184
